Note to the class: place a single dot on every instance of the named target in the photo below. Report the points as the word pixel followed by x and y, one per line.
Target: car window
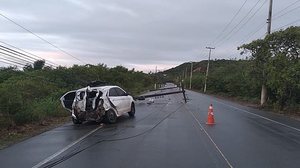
pixel 81 95
pixel 113 92
pixel 120 92
pixel 92 94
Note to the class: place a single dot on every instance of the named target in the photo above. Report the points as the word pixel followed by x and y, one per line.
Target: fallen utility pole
pixel 162 94
pixel 166 88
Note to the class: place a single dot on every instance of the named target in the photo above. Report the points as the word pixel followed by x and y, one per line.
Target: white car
pixel 98 103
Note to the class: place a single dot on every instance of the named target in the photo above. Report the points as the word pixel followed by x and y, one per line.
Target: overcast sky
pixel 140 34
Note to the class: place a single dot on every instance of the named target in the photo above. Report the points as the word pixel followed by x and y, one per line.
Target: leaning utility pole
pixel 263 96
pixel 207 68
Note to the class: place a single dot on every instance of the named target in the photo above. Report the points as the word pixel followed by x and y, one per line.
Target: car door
pixel 125 100
pixel 115 100
pixel 68 99
pixel 81 100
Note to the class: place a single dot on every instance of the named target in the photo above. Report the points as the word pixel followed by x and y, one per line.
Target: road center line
pixel 66 148
pixel 296 129
pixel 216 146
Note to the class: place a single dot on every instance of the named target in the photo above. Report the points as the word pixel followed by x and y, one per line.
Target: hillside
pixel 240 79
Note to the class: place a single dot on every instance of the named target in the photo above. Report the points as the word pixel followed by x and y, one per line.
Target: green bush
pixel 33 95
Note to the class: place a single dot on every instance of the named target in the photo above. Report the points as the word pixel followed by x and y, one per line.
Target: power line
pixel 46 41
pixel 11 64
pixel 298 20
pixel 261 26
pixel 225 28
pixel 13 61
pixel 32 55
pixel 14 57
pixel 253 33
pixel 12 52
pixel 244 24
pixel 19 54
pixel 225 37
pixel 289 11
pixel 277 13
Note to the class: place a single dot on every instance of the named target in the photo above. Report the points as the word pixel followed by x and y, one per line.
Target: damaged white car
pixel 98 104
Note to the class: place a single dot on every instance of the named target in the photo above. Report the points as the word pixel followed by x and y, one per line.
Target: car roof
pixel 102 88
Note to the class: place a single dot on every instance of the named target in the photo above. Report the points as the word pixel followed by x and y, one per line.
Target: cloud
pixel 117 8
pixel 133 32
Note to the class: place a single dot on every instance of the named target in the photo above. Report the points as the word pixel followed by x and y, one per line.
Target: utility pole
pixel 263 96
pixel 270 17
pixel 155 85
pixel 191 75
pixel 207 68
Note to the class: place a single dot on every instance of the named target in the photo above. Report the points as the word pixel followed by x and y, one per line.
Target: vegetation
pixel 32 95
pixel 272 61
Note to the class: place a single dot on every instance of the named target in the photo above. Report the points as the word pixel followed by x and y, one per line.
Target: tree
pixel 39 64
pixel 284 66
pixel 28 67
pixel 276 64
pixel 260 55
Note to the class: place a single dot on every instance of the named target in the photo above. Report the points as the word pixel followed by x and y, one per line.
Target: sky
pixel 140 34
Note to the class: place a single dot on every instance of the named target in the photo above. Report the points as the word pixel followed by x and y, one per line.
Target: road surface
pixel 168 133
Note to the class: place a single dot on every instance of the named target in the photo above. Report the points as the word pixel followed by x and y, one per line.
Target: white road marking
pixel 216 146
pixel 66 148
pixel 296 129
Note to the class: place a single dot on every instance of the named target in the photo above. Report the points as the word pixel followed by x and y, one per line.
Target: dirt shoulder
pixel 17 134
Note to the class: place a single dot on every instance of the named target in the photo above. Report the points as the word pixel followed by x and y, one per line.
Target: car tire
pixel 132 111
pixel 110 117
pixel 76 121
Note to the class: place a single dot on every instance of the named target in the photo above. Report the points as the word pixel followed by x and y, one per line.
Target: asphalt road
pixel 168 133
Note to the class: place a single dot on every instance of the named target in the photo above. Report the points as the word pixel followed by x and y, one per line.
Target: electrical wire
pixel 245 23
pixel 250 35
pixel 275 16
pixel 228 34
pixel 66 157
pixel 16 56
pixel 277 13
pixel 289 11
pixel 298 20
pixel 238 23
pixel 12 61
pixel 229 23
pixel 19 54
pixel 11 64
pixel 46 41
pixel 32 55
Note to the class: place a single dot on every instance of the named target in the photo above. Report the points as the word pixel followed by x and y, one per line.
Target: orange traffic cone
pixel 210 118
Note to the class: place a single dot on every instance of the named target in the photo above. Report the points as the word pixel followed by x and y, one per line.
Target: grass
pixel 12 135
